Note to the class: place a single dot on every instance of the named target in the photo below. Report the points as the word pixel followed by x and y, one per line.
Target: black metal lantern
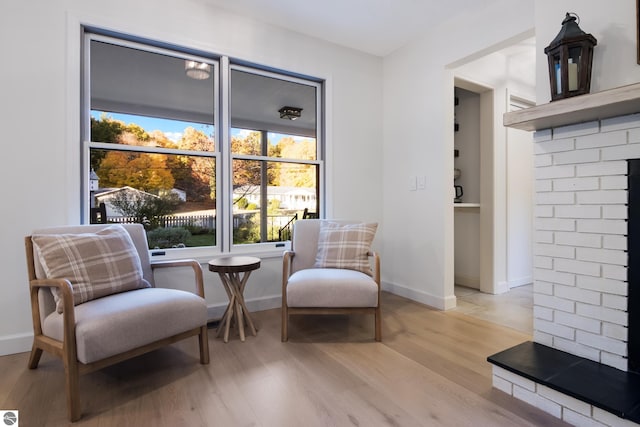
pixel 570 57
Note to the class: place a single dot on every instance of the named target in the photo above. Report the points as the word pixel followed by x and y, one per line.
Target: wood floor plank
pixel 429 370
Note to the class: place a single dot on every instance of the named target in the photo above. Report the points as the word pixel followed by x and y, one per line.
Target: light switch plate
pixel 422 182
pixel 412 184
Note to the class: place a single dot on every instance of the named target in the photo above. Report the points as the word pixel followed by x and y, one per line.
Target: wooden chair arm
pixel 195 265
pixel 376 266
pixel 287 256
pixel 65 290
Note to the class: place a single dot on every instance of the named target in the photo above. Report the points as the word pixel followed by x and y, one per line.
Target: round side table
pixel 234 272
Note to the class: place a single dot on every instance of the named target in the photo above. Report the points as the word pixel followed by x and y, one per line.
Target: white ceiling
pixel 377 27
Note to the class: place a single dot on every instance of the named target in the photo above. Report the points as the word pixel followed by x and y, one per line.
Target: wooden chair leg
pixel 203 338
pixel 72 375
pixel 34 358
pixel 378 320
pixel 285 324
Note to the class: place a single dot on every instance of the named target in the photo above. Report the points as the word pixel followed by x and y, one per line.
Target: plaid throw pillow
pixel 345 246
pixel 96 264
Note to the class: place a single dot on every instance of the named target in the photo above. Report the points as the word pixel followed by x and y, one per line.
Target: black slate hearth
pixel 600 385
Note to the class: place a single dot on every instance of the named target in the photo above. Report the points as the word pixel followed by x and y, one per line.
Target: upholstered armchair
pixel 328 271
pixel 94 302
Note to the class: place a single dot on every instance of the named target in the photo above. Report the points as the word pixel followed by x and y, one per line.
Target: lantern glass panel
pixel 573 67
pixel 558 71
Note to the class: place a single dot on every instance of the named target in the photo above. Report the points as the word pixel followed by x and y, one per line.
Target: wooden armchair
pixel 319 275
pixel 112 327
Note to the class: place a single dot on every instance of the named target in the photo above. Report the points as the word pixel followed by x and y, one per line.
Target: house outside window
pixel 193 146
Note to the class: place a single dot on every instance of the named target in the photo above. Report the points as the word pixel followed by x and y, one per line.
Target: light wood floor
pixel 429 370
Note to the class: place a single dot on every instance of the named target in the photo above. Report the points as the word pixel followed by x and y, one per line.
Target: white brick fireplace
pixel 580 256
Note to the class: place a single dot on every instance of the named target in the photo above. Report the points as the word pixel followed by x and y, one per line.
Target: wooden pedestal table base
pixel 234 272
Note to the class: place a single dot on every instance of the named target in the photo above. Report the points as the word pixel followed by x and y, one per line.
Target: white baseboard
pixel 17 343
pixel 467 281
pixel 216 311
pixel 420 296
pixel 527 280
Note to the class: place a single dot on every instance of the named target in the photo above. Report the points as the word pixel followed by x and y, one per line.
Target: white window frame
pixel 222 66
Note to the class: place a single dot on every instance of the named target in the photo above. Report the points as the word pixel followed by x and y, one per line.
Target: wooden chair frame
pixel 66 349
pixel 287 311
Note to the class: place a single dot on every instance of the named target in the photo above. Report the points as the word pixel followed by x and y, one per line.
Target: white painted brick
pixel 554 250
pixel 615 332
pixel 555 329
pixel 617 302
pixel 614 182
pixel 525 395
pixel 573 347
pixel 576 184
pixel 576 156
pixel 514 378
pixel 543 313
pixel 614 242
pixel 549 172
pixel 602 313
pixel 565 400
pixel 601 342
pixel 578 267
pixel 577 294
pixel 553 302
pixel 603 197
pixel 553 198
pixel 621 152
pixel 543 185
pixel 617 167
pixel 578 419
pixel 615 361
pixel 502 384
pixel 633 136
pixel 542 135
pixel 544 211
pixel 543 160
pixel 548 406
pixel 615 212
pixel 578 211
pixel 617 272
pixel 610 419
pixel 542 338
pixel 553 146
pixel 616 287
pixel 543 262
pixel 579 129
pixel 578 322
pixel 545 288
pixel 620 123
pixel 579 239
pixel 604 226
pixel 605 256
pixel 545 236
pixel 602 140
pixel 555 224
pixel 555 277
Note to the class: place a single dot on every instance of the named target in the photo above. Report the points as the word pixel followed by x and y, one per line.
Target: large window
pixel 197 148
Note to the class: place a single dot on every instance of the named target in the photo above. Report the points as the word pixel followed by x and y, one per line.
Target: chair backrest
pixel 137 233
pixel 304 241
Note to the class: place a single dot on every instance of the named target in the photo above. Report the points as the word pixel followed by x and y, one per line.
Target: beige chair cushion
pixel 145 316
pixel 331 287
pixel 97 264
pixel 345 246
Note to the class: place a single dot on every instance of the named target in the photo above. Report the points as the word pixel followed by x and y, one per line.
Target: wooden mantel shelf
pixel 620 101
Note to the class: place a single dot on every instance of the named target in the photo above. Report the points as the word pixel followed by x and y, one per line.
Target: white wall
pixel 612 23
pixel 40 117
pixel 418 102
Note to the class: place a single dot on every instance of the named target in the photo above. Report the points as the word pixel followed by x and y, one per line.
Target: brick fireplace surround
pixel 576 368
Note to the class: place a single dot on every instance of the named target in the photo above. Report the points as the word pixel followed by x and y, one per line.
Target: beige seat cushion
pixel 121 322
pixel 331 287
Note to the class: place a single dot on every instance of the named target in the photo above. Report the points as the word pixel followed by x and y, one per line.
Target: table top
pixel 234 264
